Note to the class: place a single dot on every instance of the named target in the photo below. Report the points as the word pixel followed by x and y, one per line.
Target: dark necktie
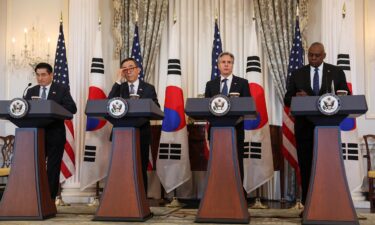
pixel 224 91
pixel 316 82
pixel 131 89
pixel 44 93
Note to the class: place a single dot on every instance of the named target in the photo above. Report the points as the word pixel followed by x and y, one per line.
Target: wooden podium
pixel 27 196
pixel 223 200
pixel 328 201
pixel 124 197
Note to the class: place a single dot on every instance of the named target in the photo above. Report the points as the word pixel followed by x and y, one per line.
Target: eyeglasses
pixel 129 70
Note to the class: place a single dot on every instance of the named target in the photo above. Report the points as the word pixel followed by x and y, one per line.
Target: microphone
pixel 24 91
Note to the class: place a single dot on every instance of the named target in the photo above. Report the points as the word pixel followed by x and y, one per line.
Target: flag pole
pixel 298 192
pixel 96 200
pixel 174 203
pixel 59 201
pixel 258 202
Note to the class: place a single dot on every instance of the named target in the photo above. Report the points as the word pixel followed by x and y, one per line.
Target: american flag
pixel 62 76
pixel 289 150
pixel 216 50
pixel 136 52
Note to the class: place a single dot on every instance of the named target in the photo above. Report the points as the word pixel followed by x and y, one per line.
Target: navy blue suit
pixel 241 86
pixel 55 135
pixel 303 128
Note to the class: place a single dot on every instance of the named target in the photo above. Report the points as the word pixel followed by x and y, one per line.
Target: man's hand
pixel 120 76
pixel 301 93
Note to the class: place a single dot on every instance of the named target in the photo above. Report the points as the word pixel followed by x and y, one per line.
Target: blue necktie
pixel 224 91
pixel 316 82
pixel 44 93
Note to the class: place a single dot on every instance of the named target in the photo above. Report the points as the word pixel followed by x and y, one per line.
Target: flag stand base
pixel 298 205
pixel 258 205
pixel 174 203
pixel 60 202
pixel 94 202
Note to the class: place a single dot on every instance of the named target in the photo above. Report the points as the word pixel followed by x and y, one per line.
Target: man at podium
pixel 128 85
pixel 228 83
pixel 55 132
pixel 317 78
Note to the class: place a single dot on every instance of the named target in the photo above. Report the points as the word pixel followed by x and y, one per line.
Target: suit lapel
pixel 326 80
pixel 126 90
pixel 141 88
pixel 234 85
pixel 36 91
pixel 216 86
pixel 307 80
pixel 52 92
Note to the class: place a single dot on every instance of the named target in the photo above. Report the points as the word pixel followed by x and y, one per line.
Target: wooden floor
pixel 277 214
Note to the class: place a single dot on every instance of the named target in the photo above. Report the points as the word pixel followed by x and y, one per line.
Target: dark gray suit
pixel 145 90
pixel 241 86
pixel 303 128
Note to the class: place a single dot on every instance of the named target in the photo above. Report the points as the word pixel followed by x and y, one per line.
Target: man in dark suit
pixel 55 132
pixel 228 83
pixel 129 71
pixel 313 79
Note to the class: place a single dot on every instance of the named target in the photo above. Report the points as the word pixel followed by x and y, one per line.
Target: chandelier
pixel 33 49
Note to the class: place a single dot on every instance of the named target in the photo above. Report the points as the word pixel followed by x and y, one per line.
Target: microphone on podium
pixel 24 91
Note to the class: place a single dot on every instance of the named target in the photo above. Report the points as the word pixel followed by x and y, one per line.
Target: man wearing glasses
pixel 313 79
pixel 128 84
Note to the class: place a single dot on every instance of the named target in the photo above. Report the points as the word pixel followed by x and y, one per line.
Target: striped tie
pixel 44 93
pixel 131 89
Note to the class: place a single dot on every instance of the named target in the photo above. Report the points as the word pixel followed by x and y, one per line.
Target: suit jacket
pixel 300 80
pixel 239 85
pixel 55 132
pixel 145 90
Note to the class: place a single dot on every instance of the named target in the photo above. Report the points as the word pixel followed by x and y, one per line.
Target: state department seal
pixel 329 104
pixel 18 108
pixel 117 107
pixel 219 105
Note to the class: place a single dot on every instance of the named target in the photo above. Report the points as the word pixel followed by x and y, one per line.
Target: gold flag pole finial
pixel 136 16
pixel 174 13
pixel 343 10
pixel 100 21
pixel 297 11
pixel 61 19
pixel 216 14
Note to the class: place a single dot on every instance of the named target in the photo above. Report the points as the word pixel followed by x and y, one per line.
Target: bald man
pixel 313 79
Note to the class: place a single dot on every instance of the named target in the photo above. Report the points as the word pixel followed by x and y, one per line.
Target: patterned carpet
pixel 82 215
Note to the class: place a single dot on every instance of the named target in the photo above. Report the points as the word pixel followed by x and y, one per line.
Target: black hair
pixel 43 65
pixel 129 59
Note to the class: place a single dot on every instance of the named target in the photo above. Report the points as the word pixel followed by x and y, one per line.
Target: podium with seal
pixel 328 201
pixel 124 197
pixel 223 200
pixel 27 196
